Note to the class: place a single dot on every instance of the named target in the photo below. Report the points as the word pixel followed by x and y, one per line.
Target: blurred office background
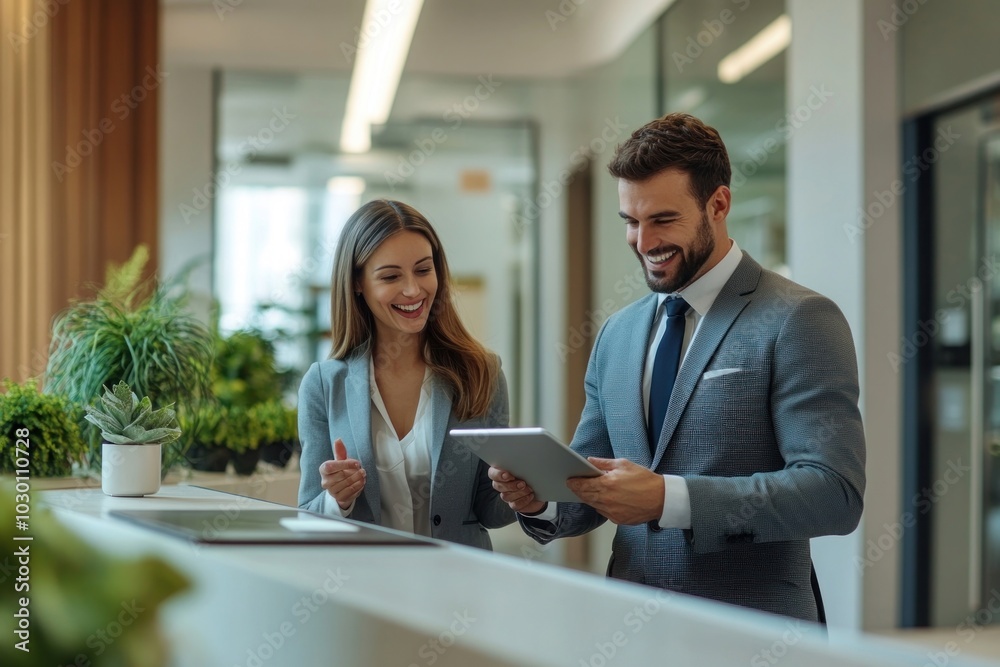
pixel 863 137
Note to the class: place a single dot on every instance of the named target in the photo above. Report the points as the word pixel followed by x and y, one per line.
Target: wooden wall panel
pixel 78 159
pixel 25 230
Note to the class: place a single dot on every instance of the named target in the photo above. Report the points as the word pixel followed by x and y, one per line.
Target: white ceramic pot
pixel 130 470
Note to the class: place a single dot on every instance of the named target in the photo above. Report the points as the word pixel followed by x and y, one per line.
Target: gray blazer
pixel 335 402
pixel 772 449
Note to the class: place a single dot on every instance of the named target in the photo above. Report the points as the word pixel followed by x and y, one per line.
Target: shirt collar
pixel 701 294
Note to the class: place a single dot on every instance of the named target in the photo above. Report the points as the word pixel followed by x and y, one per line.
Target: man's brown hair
pixel 676 141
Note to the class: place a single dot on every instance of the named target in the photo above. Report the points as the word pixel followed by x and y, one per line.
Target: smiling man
pixel 723 407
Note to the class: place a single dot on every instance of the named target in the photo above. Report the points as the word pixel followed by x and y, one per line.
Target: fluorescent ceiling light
pixel 387 30
pixel 766 44
pixel 690 99
pixel 346 185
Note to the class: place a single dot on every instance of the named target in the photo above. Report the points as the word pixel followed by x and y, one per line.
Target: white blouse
pixel 403 464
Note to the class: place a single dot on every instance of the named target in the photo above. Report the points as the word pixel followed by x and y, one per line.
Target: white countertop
pixel 435 605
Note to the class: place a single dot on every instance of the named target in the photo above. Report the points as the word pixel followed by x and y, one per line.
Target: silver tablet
pixel 531 454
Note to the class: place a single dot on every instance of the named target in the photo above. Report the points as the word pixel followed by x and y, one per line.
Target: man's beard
pixel 689 262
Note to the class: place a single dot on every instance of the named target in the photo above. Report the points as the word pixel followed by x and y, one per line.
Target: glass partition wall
pixel 285 190
pixel 749 111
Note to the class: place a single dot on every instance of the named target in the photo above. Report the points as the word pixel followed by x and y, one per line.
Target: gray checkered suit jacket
pixel 772 450
pixel 335 402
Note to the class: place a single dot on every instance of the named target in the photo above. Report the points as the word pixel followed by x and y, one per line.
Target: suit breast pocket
pixel 719 372
pixel 731 399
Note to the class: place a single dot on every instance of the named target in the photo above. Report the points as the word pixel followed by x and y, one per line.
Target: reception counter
pixel 304 605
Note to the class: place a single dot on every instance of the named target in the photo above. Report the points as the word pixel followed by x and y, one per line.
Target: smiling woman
pixel 404 370
pixel 399 281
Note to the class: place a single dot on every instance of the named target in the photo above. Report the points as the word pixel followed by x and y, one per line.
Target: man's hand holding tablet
pixel 528 465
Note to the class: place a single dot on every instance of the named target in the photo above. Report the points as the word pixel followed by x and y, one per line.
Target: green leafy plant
pixel 244 373
pixel 54 439
pixel 77 590
pixel 289 429
pixel 124 419
pixel 271 420
pixel 137 332
pixel 201 423
pixel 240 429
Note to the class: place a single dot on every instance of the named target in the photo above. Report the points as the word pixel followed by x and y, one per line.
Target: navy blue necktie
pixel 665 365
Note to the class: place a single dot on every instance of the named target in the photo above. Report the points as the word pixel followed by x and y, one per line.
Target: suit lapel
pixel 727 306
pixel 440 407
pixel 359 412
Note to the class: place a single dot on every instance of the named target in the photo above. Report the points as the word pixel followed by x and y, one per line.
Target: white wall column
pixel 186 150
pixel 843 158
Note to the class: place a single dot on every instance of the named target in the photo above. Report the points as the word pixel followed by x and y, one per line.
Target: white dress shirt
pixel 699 295
pixel 403 464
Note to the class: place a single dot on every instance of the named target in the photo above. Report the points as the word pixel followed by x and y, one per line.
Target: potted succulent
pixel 55 445
pixel 134 433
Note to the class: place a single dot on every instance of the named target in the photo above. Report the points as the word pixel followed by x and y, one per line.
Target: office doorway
pixel 950 357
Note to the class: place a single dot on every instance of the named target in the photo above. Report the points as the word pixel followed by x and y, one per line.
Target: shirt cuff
pixel 676 503
pixel 548 513
pixel 332 507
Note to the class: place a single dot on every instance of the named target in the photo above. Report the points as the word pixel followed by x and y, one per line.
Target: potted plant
pixel 139 332
pixel 204 424
pixel 242 435
pixel 244 372
pixel 55 445
pixel 131 456
pixel 279 432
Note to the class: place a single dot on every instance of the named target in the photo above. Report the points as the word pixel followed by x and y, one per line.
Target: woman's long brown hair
pixel 450 350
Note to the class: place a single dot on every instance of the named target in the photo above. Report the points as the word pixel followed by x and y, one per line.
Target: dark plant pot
pixel 278 453
pixel 246 462
pixel 208 458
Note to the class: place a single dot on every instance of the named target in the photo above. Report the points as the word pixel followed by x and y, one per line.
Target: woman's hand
pixel 515 492
pixel 343 478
